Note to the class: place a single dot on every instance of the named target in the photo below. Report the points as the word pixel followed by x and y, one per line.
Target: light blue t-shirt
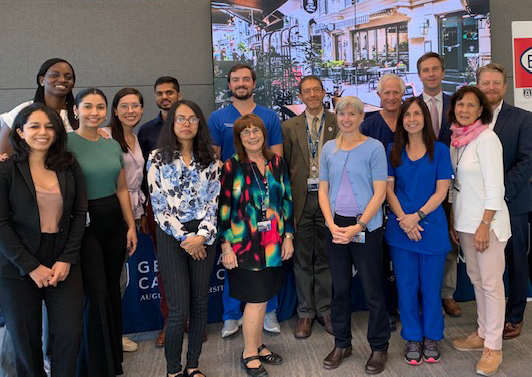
pixel 221 127
pixel 365 164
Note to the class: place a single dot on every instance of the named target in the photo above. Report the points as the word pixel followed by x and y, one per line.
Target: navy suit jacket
pixel 445 130
pixel 514 128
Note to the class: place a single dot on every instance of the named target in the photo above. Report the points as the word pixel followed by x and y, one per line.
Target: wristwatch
pixel 290 236
pixel 421 214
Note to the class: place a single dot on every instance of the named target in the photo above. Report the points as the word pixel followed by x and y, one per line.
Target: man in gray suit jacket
pixel 303 137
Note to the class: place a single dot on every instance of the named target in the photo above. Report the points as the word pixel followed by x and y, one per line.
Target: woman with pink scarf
pixel 480 221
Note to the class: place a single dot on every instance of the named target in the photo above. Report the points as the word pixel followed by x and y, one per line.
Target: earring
pixel 76 117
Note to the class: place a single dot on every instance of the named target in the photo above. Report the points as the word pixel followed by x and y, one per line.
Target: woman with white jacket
pixel 481 220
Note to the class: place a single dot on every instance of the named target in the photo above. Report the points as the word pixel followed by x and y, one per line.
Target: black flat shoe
pixel 255 372
pixel 272 359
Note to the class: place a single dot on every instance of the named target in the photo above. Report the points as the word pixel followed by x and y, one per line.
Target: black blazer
pixel 20 228
pixel 445 129
pixel 514 128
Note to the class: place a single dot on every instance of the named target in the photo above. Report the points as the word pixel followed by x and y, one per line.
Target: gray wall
pixel 503 12
pixel 111 44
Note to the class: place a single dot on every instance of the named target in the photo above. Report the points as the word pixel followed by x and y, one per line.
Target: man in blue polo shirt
pixel 166 94
pixel 241 83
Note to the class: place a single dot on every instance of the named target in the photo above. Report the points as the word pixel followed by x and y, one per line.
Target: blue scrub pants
pixel 419 277
pixel 232 305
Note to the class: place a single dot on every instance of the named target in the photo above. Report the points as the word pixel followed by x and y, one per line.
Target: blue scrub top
pixel 375 126
pixel 415 183
pixel 221 127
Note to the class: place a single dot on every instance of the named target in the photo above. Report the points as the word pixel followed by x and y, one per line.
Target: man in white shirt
pixel 514 128
pixel 431 70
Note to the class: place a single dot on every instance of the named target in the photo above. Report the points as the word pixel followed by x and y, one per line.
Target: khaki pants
pixel 486 271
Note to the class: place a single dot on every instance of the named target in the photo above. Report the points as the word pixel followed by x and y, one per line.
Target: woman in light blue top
pixel 353 174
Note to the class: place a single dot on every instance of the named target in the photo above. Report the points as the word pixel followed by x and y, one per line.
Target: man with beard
pixel 241 82
pixel 514 128
pixel 166 94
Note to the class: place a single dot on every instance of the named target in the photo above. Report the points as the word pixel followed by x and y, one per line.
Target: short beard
pixel 244 97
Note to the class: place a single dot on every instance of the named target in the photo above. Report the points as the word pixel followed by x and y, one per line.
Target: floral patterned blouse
pixel 243 191
pixel 181 193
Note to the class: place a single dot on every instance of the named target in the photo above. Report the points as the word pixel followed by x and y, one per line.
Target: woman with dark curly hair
pixel 184 185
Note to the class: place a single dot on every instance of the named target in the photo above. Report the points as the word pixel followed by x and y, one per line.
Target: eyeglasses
pixel 254 131
pixel 183 120
pixel 126 106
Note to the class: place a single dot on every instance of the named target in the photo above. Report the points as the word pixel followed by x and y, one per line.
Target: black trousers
pixel 102 255
pixel 186 283
pixel 311 265
pixel 367 259
pixel 21 301
pixel 516 264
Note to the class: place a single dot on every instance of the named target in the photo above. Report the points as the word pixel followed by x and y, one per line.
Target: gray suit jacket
pixel 297 155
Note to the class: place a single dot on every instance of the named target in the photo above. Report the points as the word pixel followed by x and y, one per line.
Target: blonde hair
pixel 344 103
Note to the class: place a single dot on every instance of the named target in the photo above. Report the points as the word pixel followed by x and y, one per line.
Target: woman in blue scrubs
pixel 419 174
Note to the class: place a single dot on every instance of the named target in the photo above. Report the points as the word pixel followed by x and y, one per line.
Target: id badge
pixel 264 226
pixel 360 237
pixel 313 184
pixel 456 185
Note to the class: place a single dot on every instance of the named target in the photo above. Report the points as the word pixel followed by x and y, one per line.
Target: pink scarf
pixel 464 135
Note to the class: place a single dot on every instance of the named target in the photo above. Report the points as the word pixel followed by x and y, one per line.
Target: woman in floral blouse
pixel 257 226
pixel 184 185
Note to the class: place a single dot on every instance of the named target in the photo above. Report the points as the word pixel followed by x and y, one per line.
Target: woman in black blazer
pixel 42 221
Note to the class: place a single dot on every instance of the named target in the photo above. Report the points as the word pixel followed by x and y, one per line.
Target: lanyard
pixel 459 157
pixel 314 146
pixel 265 182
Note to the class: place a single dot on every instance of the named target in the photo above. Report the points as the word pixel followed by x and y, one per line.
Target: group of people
pixel 330 191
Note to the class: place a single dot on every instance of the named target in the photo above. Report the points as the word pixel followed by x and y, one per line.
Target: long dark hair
pixel 58 157
pixel 116 126
pixel 39 93
pixel 401 136
pixel 168 143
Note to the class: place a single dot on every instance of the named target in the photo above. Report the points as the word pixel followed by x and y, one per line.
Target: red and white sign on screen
pixel 523 62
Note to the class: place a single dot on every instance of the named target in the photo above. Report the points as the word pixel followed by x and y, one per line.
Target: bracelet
pixel 227 251
pixel 362 224
pixel 290 236
pixel 485 222
pixel 421 214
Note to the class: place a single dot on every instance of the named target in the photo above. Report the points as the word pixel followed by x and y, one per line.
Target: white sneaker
pixel 230 327
pixel 271 324
pixel 128 345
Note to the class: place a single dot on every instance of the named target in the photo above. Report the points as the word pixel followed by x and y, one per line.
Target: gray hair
pixel 349 101
pixel 390 76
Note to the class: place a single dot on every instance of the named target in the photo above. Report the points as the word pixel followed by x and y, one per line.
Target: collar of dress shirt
pixel 311 117
pixel 496 113
pixel 438 96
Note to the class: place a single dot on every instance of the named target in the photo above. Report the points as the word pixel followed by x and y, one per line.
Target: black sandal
pixel 255 372
pixel 272 359
pixel 193 373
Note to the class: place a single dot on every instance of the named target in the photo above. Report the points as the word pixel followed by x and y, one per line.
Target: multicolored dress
pixel 245 192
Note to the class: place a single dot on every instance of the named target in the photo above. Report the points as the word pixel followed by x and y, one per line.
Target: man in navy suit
pixel 430 69
pixel 514 128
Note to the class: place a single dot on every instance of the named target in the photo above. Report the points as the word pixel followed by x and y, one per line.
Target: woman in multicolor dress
pixel 257 231
pixel 184 185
